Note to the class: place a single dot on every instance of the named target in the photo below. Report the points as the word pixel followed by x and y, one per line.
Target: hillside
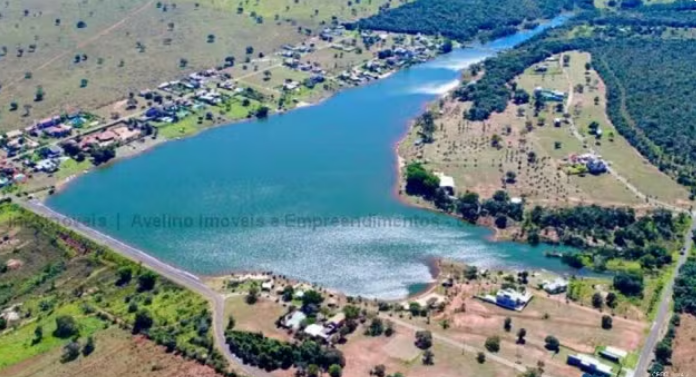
pixel 89 54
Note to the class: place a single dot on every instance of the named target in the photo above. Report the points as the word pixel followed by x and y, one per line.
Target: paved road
pixel 663 311
pixel 174 274
pixel 462 346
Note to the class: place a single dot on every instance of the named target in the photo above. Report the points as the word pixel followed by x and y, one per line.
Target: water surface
pixel 308 194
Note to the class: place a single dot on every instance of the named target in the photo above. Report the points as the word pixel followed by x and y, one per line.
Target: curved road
pixel 174 274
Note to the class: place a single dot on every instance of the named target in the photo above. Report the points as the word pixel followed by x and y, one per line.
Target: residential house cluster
pixel 113 136
pixel 329 33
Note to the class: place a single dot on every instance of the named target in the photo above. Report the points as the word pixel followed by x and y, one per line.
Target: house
pixel 106 138
pixel 549 95
pixel 337 320
pixel 13 134
pixel 596 167
pixel 60 130
pixel 125 134
pixel 446 183
pixel 51 151
pixel 48 122
pixel 47 165
pixel 267 286
pixel 556 286
pixel 316 331
pixel 293 320
pixel 291 85
pixel 513 300
pixel 590 365
pixel 613 354
pixel 541 68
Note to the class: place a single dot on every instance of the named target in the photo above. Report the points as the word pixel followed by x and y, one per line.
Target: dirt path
pixel 465 347
pixel 610 169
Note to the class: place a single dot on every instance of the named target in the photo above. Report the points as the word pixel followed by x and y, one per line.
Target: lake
pixel 308 194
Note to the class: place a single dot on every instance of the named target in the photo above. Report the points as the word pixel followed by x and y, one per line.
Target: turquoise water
pixel 309 194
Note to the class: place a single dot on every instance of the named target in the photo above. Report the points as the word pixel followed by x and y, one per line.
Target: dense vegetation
pixel 685 288
pixel 71 288
pixel 271 354
pixel 465 19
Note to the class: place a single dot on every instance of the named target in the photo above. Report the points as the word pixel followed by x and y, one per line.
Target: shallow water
pixel 309 193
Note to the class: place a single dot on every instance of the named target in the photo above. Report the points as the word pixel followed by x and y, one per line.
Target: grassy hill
pixel 89 54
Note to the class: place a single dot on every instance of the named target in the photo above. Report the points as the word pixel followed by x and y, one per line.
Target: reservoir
pixel 308 194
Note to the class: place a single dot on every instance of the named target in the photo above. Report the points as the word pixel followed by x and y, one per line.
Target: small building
pixel 316 331
pixel 590 365
pixel 513 300
pixel 125 134
pixel 337 320
pixel 267 286
pixel 60 130
pixel 613 354
pixel 557 286
pixel 47 165
pixel 13 134
pixel 48 122
pixel 293 320
pixel 446 183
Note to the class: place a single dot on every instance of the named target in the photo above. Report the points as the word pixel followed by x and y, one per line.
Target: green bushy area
pixel 63 274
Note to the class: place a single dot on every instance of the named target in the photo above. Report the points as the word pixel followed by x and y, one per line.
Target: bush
pixel 552 344
pixel 66 327
pixel 607 322
pixel 424 339
pixel 88 348
pixel 629 284
pixel 481 357
pixel 492 344
pixel 70 352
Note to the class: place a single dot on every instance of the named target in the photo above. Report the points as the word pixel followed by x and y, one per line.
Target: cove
pixel 308 194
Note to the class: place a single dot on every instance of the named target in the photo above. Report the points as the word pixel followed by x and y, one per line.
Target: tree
pixel 143 321
pixel 14 106
pixel 510 177
pixel 629 284
pixel 428 357
pixel 66 327
pixel 39 95
pixel 83 83
pixel 663 352
pixel 493 343
pixel 146 281
pixel 507 325
pixel 38 335
pixel 262 112
pixel 312 297
pixel 335 370
pixel 447 46
pixel 211 38
pixel 552 344
pixel 3 323
pixel 125 274
pixel 481 357
pixel 597 300
pixel 81 24
pixel 230 322
pixel 421 182
pixel 424 339
pixel 607 322
pixel 249 50
pixel 253 295
pixel 379 370
pixel 521 333
pixel 71 351
pixel 611 300
pixel 376 327
pixel 88 348
pixel 313 370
